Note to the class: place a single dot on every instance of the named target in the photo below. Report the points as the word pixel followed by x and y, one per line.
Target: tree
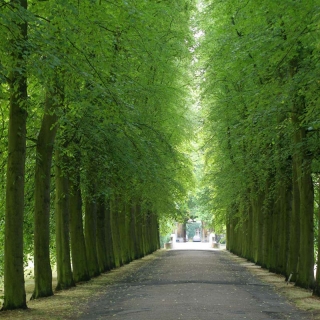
pixel 77 240
pixel 117 126
pixel 259 110
pixel 45 142
pixel 64 272
pixel 15 296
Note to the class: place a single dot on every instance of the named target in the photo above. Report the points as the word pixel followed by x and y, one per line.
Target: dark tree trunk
pixel 127 231
pixel 316 290
pixel 14 290
pixel 122 216
pixel 133 232
pixel 305 277
pixel 77 241
pixel 109 243
pixel 303 161
pixel 101 235
pixel 64 273
pixel 138 223
pixel 143 231
pixel 274 252
pixel 116 241
pixel 91 232
pixel 294 231
pixel 267 225
pixel 44 152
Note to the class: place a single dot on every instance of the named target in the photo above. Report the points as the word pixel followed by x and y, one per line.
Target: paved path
pixel 190 285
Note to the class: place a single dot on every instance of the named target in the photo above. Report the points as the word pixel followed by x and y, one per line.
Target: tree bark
pixel 139 238
pixel 64 273
pixel 127 208
pixel 77 241
pixel 250 233
pixel 303 160
pixel 267 223
pixel 44 153
pixel 90 236
pixel 316 289
pixel 122 216
pixel 255 230
pixel 294 231
pixel 274 252
pixel 116 241
pixel 101 235
pixel 133 232
pixel 109 242
pixel 283 227
pixel 14 290
pixel 305 274
pixel 305 277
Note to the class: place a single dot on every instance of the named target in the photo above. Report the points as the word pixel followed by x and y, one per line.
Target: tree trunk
pixel 91 233
pixel 156 236
pixel 250 234
pixel 116 241
pixel 316 289
pixel 148 232
pixel 303 158
pixel 101 235
pixel 14 290
pixel 255 230
pixel 294 231
pixel 77 241
pixel 282 223
pixel 44 152
pixel 244 229
pixel 274 252
pixel 266 241
pixel 133 232
pixel 306 257
pixel 143 231
pixel 64 273
pixel 305 276
pixel 158 233
pixel 128 231
pixel 109 243
pixel 228 231
pixel 139 222
pixel 122 216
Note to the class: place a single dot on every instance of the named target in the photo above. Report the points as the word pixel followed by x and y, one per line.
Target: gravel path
pixel 190 285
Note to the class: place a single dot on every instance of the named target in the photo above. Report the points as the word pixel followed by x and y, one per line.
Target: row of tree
pixel 97 90
pixel 260 96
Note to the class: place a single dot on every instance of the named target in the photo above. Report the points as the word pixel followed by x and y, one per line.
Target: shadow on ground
pixel 186 283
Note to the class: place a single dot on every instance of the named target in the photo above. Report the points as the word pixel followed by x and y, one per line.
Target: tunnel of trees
pixel 114 112
pixel 260 98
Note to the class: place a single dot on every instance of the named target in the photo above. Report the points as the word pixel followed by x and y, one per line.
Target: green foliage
pixel 248 89
pixel 119 72
pixel 258 63
pixel 166 228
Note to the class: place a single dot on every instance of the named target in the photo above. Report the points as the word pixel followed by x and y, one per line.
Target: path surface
pixel 190 285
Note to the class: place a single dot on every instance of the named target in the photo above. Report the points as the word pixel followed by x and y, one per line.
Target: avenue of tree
pixel 94 100
pixel 260 93
pixel 97 125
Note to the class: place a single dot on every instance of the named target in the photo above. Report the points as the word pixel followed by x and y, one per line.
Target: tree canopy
pixel 119 116
pixel 103 88
pixel 259 97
